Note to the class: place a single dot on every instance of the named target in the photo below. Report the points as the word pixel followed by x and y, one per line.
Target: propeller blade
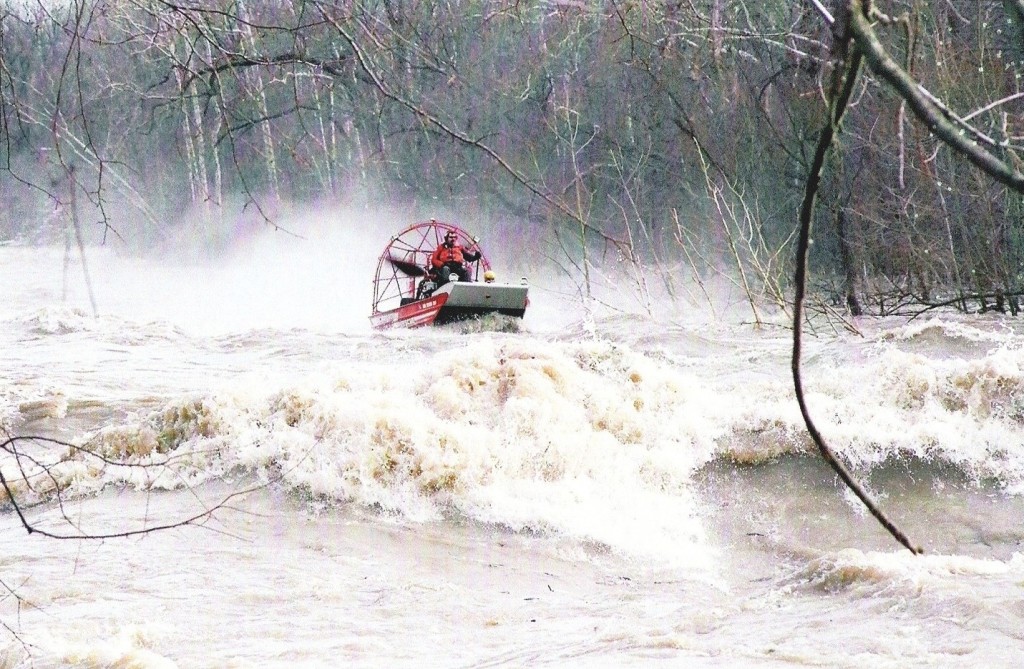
pixel 406 267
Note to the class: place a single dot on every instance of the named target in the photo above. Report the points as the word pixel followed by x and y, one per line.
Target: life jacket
pixel 444 254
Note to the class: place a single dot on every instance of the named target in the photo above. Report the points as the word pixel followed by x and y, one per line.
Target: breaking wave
pixel 590 439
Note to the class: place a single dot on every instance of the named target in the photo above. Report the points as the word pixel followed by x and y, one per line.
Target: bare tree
pixel 857 42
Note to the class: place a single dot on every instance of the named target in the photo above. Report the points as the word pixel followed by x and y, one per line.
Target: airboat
pixel 407 293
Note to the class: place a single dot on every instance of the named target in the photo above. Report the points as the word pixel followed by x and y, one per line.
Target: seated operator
pixel 450 257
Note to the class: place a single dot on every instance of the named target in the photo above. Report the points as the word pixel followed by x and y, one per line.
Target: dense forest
pixel 676 137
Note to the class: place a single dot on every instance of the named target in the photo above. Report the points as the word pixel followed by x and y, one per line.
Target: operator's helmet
pixel 489 276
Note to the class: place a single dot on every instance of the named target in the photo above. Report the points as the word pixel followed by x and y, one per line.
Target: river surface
pixel 276 485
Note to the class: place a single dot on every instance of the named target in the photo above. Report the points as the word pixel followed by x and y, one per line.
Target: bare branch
pixel 844 85
pixel 430 119
pixel 829 19
pixel 923 104
pixel 10 445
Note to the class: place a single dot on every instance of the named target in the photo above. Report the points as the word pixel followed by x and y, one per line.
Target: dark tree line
pixel 672 135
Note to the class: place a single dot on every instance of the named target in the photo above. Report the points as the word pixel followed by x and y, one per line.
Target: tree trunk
pixel 853 287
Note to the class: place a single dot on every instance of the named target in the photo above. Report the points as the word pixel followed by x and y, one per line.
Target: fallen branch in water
pixel 43 470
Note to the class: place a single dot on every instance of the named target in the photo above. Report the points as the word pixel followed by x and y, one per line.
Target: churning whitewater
pixel 584 490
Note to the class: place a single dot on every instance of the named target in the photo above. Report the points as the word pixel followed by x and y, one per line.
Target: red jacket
pixel 455 253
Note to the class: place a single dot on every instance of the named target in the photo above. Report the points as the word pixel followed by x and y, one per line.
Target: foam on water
pixel 589 439
pixel 592 439
pixel 126 647
pixel 871 573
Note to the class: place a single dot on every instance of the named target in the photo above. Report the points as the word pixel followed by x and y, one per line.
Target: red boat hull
pixel 414 314
pixel 455 302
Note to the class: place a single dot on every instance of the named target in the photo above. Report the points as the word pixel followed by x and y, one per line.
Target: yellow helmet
pixel 489 276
